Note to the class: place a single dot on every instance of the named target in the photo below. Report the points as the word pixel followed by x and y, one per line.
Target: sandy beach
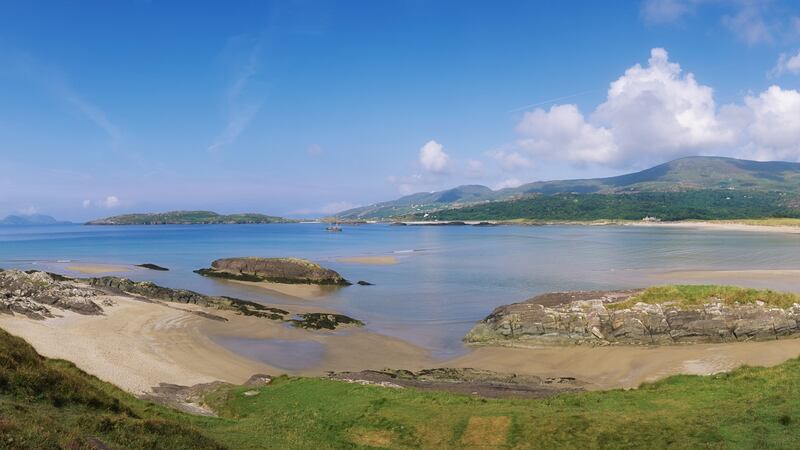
pixel 613 367
pixel 137 345
pixel 720 226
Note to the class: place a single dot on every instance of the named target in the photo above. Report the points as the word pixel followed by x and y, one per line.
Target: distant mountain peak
pixel 30 219
pixel 687 173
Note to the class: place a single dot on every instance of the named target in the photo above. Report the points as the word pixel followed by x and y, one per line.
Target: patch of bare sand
pixel 297 291
pixel 613 367
pixel 386 260
pixel 346 349
pixel 722 226
pixel 90 269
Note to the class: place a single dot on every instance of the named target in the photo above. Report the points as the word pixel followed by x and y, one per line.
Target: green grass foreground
pixel 51 404
pixel 689 295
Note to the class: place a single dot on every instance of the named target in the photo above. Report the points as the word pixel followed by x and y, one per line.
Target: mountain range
pixel 690 174
pixel 31 219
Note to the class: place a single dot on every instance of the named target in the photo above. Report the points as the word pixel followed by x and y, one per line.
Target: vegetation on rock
pixel 188 218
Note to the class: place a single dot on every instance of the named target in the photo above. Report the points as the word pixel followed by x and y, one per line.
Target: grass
pixel 51 404
pixel 695 295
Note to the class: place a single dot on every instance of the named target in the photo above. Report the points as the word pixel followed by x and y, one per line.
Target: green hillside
pixel 669 206
pixel 686 174
pixel 187 218
pixel 51 404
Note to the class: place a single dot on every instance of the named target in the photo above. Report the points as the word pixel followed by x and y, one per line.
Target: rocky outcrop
pixel 36 294
pixel 483 383
pixel 275 270
pixel 597 318
pixel 152 291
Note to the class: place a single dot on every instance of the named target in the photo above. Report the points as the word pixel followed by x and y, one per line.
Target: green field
pixel 51 404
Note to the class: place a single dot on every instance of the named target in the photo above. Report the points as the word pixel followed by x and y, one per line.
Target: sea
pixel 446 278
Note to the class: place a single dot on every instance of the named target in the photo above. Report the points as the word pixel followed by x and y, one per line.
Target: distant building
pixel 651 219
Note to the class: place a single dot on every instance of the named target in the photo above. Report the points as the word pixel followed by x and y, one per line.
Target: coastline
pixel 138 345
pixel 791 226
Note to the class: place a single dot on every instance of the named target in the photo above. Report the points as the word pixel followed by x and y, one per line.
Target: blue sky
pixel 304 107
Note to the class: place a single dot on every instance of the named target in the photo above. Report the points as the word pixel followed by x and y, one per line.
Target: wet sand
pixel 614 367
pixel 296 291
pixel 370 260
pixel 138 345
pixel 725 226
pixel 91 269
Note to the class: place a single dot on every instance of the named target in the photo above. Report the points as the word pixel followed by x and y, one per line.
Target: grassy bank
pixel 51 404
pixel 695 295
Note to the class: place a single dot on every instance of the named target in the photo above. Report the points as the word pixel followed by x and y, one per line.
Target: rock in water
pixel 152 267
pixel 275 270
pixel 591 318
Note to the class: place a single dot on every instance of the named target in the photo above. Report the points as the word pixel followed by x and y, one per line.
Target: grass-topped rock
pixel 658 315
pixel 274 270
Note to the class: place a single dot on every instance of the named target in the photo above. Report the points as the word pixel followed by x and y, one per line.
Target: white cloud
pixel 110 202
pixel 751 21
pixel 562 133
pixel 771 124
pixel 650 113
pixel 748 24
pixel 511 161
pixel 314 150
pixel 240 111
pixel 29 210
pixel 474 168
pixel 664 11
pixel 787 63
pixel 86 203
pixel 433 158
pixel 509 183
pixel 657 113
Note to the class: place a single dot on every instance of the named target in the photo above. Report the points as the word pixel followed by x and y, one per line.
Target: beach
pixel 138 345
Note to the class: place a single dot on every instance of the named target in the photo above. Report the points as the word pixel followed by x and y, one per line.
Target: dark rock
pixel 318 321
pixel 364 283
pixel 590 317
pixel 275 270
pixel 152 267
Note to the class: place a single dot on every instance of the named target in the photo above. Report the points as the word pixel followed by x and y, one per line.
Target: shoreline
pixel 790 226
pixel 138 345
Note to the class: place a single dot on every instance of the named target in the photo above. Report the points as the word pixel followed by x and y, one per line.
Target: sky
pixel 304 108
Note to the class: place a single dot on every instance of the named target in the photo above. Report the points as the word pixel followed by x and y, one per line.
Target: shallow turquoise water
pixel 447 278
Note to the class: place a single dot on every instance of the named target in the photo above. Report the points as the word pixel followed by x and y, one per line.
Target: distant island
pixel 32 219
pixel 692 188
pixel 188 218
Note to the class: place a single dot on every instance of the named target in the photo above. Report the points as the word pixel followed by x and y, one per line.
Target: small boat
pixel 334 228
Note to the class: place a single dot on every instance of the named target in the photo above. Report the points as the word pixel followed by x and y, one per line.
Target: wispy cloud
pixel 241 110
pixel 28 68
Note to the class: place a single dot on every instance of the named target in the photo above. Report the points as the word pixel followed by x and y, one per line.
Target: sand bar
pixel 90 269
pixel 387 260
